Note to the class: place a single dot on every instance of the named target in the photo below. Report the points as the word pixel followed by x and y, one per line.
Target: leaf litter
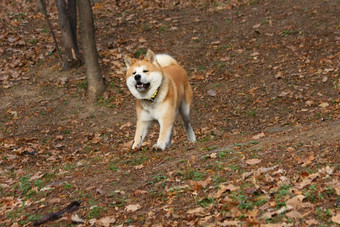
pixel 267 118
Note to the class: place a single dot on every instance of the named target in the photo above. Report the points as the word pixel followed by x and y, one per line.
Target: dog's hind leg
pixel 170 138
pixel 184 110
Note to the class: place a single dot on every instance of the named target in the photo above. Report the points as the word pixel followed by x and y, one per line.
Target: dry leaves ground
pixel 266 113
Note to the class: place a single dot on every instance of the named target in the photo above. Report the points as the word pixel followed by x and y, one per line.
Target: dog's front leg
pixel 141 131
pixel 165 133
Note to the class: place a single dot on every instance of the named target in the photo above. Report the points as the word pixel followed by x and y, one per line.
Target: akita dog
pixel 162 90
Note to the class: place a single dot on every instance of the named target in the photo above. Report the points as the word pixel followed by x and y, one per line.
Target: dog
pixel 162 89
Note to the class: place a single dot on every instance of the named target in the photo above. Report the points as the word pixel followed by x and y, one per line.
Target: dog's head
pixel 143 77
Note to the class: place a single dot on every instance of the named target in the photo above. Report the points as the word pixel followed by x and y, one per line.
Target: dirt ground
pixel 266 113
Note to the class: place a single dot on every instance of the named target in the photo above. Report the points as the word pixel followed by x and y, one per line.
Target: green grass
pixel 157 178
pixel 96 212
pixel 113 167
pixel 323 214
pixel 191 174
pixel 205 202
pixel 139 52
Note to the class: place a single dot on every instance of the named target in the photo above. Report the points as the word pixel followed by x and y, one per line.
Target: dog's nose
pixel 138 77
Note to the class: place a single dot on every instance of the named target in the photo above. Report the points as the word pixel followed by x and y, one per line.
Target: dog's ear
pixel 128 61
pixel 150 56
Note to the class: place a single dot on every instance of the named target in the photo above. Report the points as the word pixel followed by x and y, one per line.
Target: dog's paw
pixel 158 147
pixel 135 147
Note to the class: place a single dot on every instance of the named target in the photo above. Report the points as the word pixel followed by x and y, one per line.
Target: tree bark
pixel 96 85
pixel 42 7
pixel 67 14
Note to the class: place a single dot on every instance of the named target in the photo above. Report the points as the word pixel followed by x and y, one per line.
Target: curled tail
pixel 165 60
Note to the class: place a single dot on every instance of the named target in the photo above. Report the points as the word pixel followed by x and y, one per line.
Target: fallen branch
pixel 56 215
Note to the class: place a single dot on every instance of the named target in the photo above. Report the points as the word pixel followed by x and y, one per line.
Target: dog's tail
pixel 165 60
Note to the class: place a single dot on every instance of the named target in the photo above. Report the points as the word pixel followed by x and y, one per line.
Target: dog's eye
pixel 134 73
pixel 145 71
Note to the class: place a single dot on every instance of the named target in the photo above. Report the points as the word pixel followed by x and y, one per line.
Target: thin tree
pixel 96 85
pixel 67 14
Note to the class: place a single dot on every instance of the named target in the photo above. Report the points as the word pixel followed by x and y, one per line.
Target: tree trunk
pixel 96 85
pixel 68 20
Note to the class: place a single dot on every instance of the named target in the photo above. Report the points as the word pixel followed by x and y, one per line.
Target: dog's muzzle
pixel 139 85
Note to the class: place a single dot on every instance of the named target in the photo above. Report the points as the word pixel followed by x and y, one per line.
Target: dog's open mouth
pixel 141 86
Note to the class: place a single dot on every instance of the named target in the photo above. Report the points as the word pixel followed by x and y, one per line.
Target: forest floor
pixel 266 114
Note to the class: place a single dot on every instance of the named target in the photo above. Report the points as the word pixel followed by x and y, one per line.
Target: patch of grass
pixel 311 193
pixel 323 214
pixel 33 41
pixel 69 167
pixel 96 212
pixel 113 167
pixel 139 52
pixel 251 113
pixel 205 202
pixel 16 213
pixel 107 102
pixel 163 28
pixel 118 201
pixel 244 202
pixel 83 84
pixel 191 174
pixel 146 27
pixel 280 196
pixel 157 178
pixel 218 180
pixel 253 2
pixel 25 186
pixel 234 167
pixel 222 154
pixel 68 185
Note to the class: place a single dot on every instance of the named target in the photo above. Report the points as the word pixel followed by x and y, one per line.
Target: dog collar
pixel 153 96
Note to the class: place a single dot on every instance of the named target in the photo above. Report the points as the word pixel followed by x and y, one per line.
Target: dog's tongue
pixel 140 85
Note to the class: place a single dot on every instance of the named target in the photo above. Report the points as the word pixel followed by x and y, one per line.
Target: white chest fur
pixel 152 111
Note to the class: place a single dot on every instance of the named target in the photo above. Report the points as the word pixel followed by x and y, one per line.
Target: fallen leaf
pixel 336 218
pixel 197 211
pixel 223 188
pixel 126 125
pixel 211 92
pixel 259 136
pixel 141 40
pixel 228 223
pixel 307 181
pixel 265 170
pixel 256 26
pixel 77 219
pixel 225 58
pixel 215 43
pixel 294 214
pixel 307 161
pixel 106 221
pixel 324 104
pixel 253 161
pixel 36 176
pixel 295 202
pixel 272 225
pixel 132 207
pixel 141 166
pixel 324 79
pixel 197 185
pixel 212 155
pixel 312 222
pixel 139 192
pixel 283 94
